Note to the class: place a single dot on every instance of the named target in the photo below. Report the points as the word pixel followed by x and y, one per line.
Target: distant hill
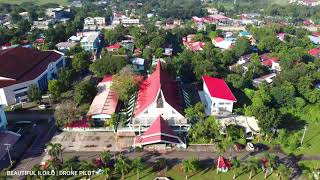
pixel 62 2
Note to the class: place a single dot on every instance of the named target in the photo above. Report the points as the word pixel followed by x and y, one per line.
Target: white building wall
pixel 216 104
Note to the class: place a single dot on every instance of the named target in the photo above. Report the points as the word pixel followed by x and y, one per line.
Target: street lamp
pixel 8 145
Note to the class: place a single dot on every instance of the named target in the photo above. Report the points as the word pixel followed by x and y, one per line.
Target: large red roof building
pixel 158 95
pixel 20 67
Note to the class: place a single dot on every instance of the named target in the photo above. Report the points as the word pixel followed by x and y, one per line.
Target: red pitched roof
pixel 114 46
pixel 317 34
pixel 6 82
pixel 314 52
pixel 218 88
pixel 24 64
pixel 218 39
pixel 149 89
pixel 223 163
pixel 159 131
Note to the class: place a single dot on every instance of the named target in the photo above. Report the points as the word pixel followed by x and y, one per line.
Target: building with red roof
pixel 105 103
pixel 270 62
pixel 193 45
pixel 223 164
pixel 217 96
pixel 113 47
pixel 21 67
pixel 158 95
pixel 158 133
pixel 315 52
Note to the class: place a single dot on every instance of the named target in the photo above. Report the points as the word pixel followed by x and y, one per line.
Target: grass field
pixel 176 174
pixel 62 2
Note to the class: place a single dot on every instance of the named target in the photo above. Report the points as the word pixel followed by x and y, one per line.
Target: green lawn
pixel 310 164
pixel 62 2
pixel 177 174
pixel 311 141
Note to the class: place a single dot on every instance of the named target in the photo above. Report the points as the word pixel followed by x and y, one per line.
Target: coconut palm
pixel 161 164
pixel 283 172
pixel 190 165
pixel 105 157
pixel 137 166
pixel 122 166
pixel 251 166
pixel 106 172
pixel 272 163
pixel 55 150
pixel 71 164
pixel 236 165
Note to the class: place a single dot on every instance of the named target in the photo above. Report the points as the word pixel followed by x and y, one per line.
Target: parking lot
pixel 92 141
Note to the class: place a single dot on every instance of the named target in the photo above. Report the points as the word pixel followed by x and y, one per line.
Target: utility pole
pixel 8 145
pixel 304 133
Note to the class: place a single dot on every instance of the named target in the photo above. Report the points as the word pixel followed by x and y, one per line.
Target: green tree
pixel 283 172
pixel 81 62
pixel 195 113
pixel 268 118
pixel 137 166
pixel 87 166
pixel 106 172
pixel 66 113
pixel 190 166
pixel 236 165
pixel 66 78
pixel 34 93
pixel 108 65
pixel 84 92
pixel 55 88
pixel 242 46
pixel 122 165
pixel 105 157
pixel 157 42
pixel 54 150
pixel 204 131
pixel 147 54
pixel 252 166
pixel 125 85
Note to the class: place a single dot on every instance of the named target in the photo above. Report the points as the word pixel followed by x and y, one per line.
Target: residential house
pixel 158 95
pixel 3 119
pixel 271 62
pixel 168 51
pixel 315 52
pixel 64 46
pixel 105 103
pixel 243 61
pixel 100 21
pixel 216 96
pixel 114 47
pixel 191 44
pixel 212 10
pixel 76 3
pixel 24 15
pixel 89 24
pixel 42 24
pixel 281 36
pixel 58 13
pixel 309 3
pixel 22 67
pixel 266 78
pixel 130 22
pixel 245 34
pixel 314 39
pixel 90 41
pixel 223 43
pixel 138 63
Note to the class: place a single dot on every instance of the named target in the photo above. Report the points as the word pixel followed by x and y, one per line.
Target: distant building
pixel 223 43
pixel 192 45
pixel 314 39
pixel 271 62
pixel 90 41
pixel 216 96
pixel 266 78
pixel 100 21
pixel 138 63
pixel 315 52
pixel 42 24
pixel 64 46
pixel 58 13
pixel 21 67
pixel 113 47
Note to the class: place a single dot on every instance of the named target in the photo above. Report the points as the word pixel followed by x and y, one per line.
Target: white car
pixel 42 106
pixel 250 146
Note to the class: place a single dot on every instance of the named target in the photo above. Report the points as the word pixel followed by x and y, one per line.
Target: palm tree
pixel 55 150
pixel 106 172
pixel 122 166
pixel 190 165
pixel 283 172
pixel 161 164
pixel 271 158
pixel 71 164
pixel 105 157
pixel 235 166
pixel 251 166
pixel 86 166
pixel 137 166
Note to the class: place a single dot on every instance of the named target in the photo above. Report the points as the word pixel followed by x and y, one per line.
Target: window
pixel 221 103
pixel 146 112
pixel 160 101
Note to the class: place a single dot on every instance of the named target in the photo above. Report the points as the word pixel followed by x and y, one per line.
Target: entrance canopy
pixel 158 132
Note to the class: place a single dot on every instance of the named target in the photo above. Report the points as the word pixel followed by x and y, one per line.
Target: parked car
pixel 42 106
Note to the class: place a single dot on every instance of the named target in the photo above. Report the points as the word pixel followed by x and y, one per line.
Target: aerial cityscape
pixel 160 89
